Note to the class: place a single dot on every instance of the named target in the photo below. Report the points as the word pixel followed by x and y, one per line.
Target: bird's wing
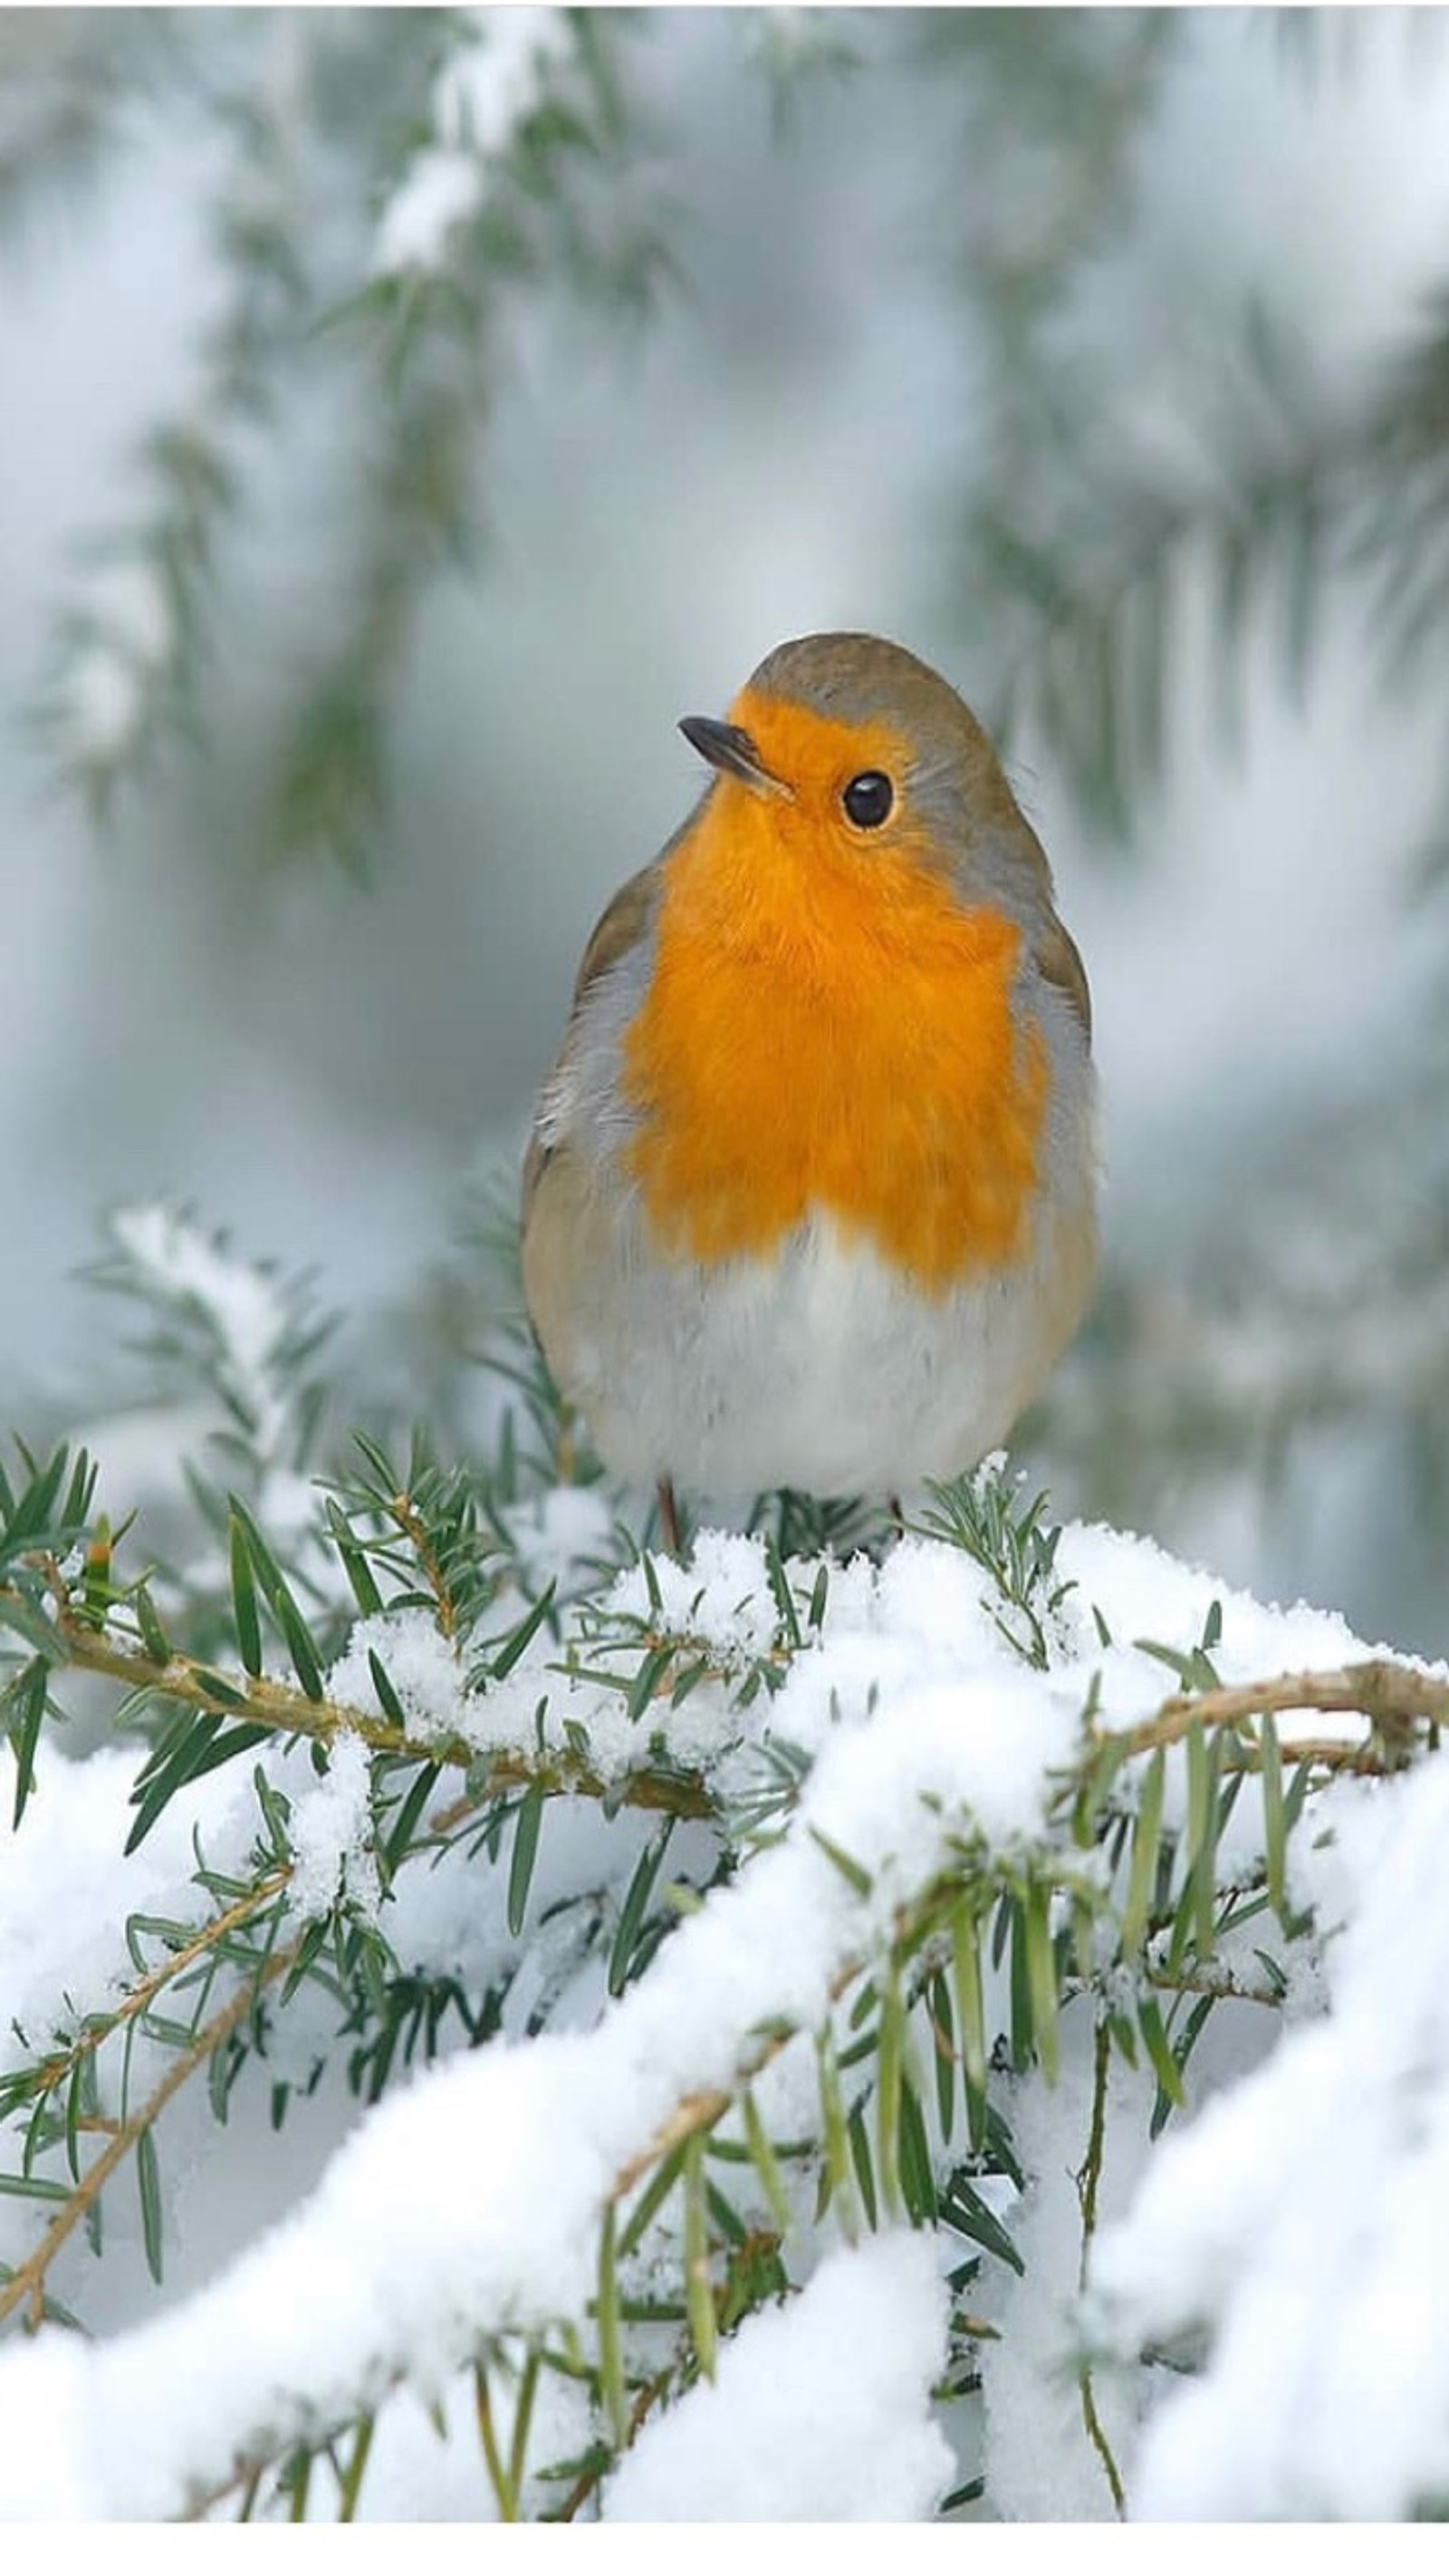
pixel 1059 963
pixel 1009 852
pixel 621 926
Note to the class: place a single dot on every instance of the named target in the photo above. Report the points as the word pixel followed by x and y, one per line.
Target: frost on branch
pixel 537 2008
pixel 495 80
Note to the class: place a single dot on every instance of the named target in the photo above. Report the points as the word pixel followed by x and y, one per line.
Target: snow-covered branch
pixel 928 1901
pixel 495 78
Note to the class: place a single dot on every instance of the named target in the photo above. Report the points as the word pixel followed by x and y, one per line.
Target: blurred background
pixel 408 414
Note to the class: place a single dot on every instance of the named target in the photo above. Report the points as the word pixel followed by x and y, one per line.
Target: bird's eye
pixel 868 799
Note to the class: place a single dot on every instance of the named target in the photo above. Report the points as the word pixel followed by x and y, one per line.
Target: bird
pixel 810 1196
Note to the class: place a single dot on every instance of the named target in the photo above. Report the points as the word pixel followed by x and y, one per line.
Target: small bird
pixel 810 1198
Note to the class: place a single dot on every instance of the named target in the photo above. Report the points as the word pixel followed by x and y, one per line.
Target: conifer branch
pixel 282 1709
pixel 1394 1697
pixel 26 2285
pixel 52 2071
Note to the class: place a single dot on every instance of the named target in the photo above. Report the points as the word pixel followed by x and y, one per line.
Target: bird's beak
pixel 728 747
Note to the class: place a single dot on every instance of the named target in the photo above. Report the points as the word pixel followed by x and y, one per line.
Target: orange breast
pixel 828 1028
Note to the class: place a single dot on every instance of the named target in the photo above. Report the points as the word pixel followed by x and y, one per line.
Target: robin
pixel 810 1195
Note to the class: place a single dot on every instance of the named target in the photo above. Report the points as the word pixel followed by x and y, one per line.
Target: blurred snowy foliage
pixel 384 184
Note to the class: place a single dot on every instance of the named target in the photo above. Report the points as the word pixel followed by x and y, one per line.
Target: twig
pixel 252 1696
pixel 672 1793
pixel 1087 2186
pixel 27 2282
pixel 1393 1697
pixel 284 1710
pixel 414 1531
pixel 1224 1988
pixel 141 1996
pixel 591 2478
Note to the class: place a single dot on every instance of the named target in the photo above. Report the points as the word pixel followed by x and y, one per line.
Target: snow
pixel 469 2198
pixel 562 1535
pixel 718 1596
pixel 1042 2469
pixel 105 697
pixel 125 615
pixel 1301 2220
pixel 332 2300
pixel 331 1835
pixel 441 190
pixel 241 1301
pixel 820 2410
pixel 1144 1593
pixel 421 1665
pixel 71 1838
pixel 124 642
pixel 485 91
pixel 540 2131
pixel 129 599
pixel 427 2467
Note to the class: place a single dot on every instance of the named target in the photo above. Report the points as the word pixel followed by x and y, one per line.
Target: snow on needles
pixel 468 2201
pixel 126 614
pixel 524 2145
pixel 483 94
pixel 818 2411
pixel 242 1304
pixel 1301 2220
pixel 332 1837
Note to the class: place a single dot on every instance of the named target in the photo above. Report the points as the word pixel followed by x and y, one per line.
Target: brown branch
pixel 1224 1988
pixel 691 2113
pixel 1323 1752
pixel 53 2069
pixel 1088 2182
pixel 27 2282
pixel 1393 1697
pixel 286 1710
pixel 413 1530
pixel 673 1793
pixel 255 1697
